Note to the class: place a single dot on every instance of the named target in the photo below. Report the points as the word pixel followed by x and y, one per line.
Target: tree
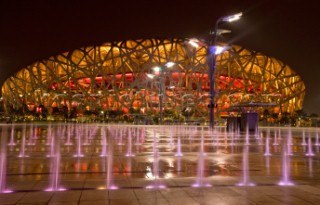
pixel 285 118
pixel 301 113
pixel 187 112
pixel 266 115
pixel 55 110
pixel 314 115
pixel 44 111
pixel 275 117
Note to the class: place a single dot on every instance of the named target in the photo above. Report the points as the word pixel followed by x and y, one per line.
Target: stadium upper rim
pixel 137 51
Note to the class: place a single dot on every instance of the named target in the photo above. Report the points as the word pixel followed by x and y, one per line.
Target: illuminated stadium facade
pixel 114 76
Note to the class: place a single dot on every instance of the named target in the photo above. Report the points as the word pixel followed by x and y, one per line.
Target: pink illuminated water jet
pixel 245 181
pixel 104 144
pixel 247 136
pixel 200 180
pixel 285 180
pixel 310 151
pixel 31 132
pixel 289 143
pixel 267 148
pixel 3 161
pixel 275 141
pixel 109 180
pixel 155 165
pixel 55 167
pixel 68 142
pixel 129 148
pixel 23 143
pixel 178 153
pixel 303 139
pixel 78 136
pixel 12 143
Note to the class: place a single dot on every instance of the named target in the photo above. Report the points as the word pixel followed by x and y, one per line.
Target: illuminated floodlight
pixel 218 49
pixel 232 18
pixel 157 69
pixel 150 75
pixel 170 64
pixel 194 43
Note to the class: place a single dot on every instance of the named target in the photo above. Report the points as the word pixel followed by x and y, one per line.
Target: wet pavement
pixel 121 164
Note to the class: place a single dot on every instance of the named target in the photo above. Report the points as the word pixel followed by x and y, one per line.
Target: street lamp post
pixel 161 92
pixel 161 85
pixel 213 51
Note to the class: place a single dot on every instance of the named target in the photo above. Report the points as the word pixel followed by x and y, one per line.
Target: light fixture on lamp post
pixel 214 50
pixel 161 77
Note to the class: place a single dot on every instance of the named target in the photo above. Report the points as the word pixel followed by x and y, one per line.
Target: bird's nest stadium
pixel 115 77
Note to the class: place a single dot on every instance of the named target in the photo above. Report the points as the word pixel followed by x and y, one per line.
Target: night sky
pixel 288 30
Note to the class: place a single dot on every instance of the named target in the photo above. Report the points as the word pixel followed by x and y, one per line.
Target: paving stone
pixel 63 203
pixel 10 198
pixel 153 201
pixel 66 196
pixel 93 195
pixel 122 194
pixel 36 198
pixel 124 201
pixel 148 193
pixel 290 199
pixel 94 202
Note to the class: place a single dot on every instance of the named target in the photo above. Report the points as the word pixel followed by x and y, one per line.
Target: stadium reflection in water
pixel 106 156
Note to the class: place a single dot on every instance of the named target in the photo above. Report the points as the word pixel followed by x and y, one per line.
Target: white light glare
pixel 150 76
pixel 170 64
pixel 156 69
pixel 219 50
pixel 194 43
pixel 231 18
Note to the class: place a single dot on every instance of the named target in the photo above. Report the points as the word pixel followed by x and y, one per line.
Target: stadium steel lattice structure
pixel 113 76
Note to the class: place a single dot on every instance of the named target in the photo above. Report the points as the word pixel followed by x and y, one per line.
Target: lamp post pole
pixel 161 79
pixel 212 68
pixel 161 95
pixel 212 52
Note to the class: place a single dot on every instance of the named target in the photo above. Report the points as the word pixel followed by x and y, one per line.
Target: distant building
pixel 113 76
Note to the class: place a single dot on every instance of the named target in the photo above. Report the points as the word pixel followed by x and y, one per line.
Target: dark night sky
pixel 288 30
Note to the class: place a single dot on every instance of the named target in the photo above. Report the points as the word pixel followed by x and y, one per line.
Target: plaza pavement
pixel 90 188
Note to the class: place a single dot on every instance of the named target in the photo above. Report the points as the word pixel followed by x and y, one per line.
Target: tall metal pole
pixel 162 85
pixel 212 68
pixel 161 96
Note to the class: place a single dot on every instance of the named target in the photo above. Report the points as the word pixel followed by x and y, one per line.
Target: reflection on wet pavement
pixel 55 157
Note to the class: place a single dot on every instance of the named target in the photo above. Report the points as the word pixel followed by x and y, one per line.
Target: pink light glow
pixel 156 187
pixel 7 191
pixel 58 189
